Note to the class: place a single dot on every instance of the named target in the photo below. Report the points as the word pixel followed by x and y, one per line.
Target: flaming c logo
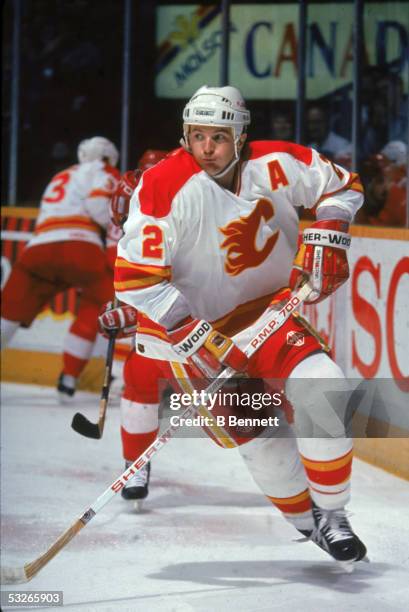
pixel 241 237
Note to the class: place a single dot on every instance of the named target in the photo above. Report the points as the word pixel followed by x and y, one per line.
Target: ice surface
pixel 206 540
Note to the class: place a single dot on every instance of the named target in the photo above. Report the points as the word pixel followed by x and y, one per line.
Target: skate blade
pixel 302 539
pixel 349 566
pixel 13 575
pixel 138 505
pixel 346 566
pixel 65 400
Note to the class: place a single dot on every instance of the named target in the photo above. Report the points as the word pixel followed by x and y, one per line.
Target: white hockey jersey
pixel 75 204
pixel 114 233
pixel 222 255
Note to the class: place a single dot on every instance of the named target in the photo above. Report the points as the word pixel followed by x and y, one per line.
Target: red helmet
pixel 150 158
pixel 128 183
pixel 374 166
pixel 122 196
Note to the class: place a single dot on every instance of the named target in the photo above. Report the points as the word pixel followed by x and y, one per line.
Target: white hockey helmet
pixel 97 147
pixel 396 151
pixel 219 107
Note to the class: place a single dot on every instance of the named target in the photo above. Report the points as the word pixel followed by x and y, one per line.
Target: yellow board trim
pixel 387 448
pixel 19 213
pixel 383 233
pixel 391 455
pixel 41 368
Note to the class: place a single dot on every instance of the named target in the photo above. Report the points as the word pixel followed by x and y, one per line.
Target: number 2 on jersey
pixel 152 242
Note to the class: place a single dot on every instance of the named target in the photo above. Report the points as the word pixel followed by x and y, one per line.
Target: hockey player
pixel 394 212
pixel 67 251
pixel 123 193
pixel 208 246
pixel 119 210
pixel 139 403
pixel 376 189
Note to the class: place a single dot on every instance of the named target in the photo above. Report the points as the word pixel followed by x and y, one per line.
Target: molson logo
pixel 240 242
pixel 185 38
pixel 188 30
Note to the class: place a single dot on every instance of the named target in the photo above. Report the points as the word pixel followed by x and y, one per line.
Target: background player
pixel 67 251
pixel 119 212
pixel 140 395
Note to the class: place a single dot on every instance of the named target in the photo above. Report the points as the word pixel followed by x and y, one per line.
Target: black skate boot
pixel 333 533
pixel 137 487
pixel 66 388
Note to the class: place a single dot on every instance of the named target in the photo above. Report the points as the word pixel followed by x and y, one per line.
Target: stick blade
pixel 13 575
pixel 81 425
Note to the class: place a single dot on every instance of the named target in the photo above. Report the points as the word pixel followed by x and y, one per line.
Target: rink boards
pixel 366 323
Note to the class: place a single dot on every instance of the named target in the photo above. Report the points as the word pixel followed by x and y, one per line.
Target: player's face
pixel 212 147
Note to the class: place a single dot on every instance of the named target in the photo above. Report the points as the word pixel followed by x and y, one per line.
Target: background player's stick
pixel 270 322
pixel 80 423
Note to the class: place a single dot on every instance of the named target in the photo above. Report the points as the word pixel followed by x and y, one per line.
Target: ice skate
pixel 136 489
pixel 66 389
pixel 333 533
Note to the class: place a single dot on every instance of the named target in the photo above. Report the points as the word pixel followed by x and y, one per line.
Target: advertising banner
pixel 263 47
pixel 367 321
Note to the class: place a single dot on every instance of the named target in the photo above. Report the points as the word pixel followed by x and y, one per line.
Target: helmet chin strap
pixel 231 164
pixel 226 169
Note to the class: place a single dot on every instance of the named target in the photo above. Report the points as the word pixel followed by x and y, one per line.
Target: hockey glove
pixel 122 196
pixel 121 320
pixel 322 259
pixel 206 350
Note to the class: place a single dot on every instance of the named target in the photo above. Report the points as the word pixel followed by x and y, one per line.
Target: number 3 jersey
pixel 193 247
pixel 75 204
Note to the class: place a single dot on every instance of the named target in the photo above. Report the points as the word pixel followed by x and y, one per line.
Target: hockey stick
pixel 270 323
pixel 80 423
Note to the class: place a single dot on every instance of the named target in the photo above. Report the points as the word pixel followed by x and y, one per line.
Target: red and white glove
pixel 206 350
pixel 120 320
pixel 322 259
pixel 122 196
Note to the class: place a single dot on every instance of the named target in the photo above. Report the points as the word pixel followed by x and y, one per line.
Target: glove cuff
pixel 187 339
pixel 330 233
